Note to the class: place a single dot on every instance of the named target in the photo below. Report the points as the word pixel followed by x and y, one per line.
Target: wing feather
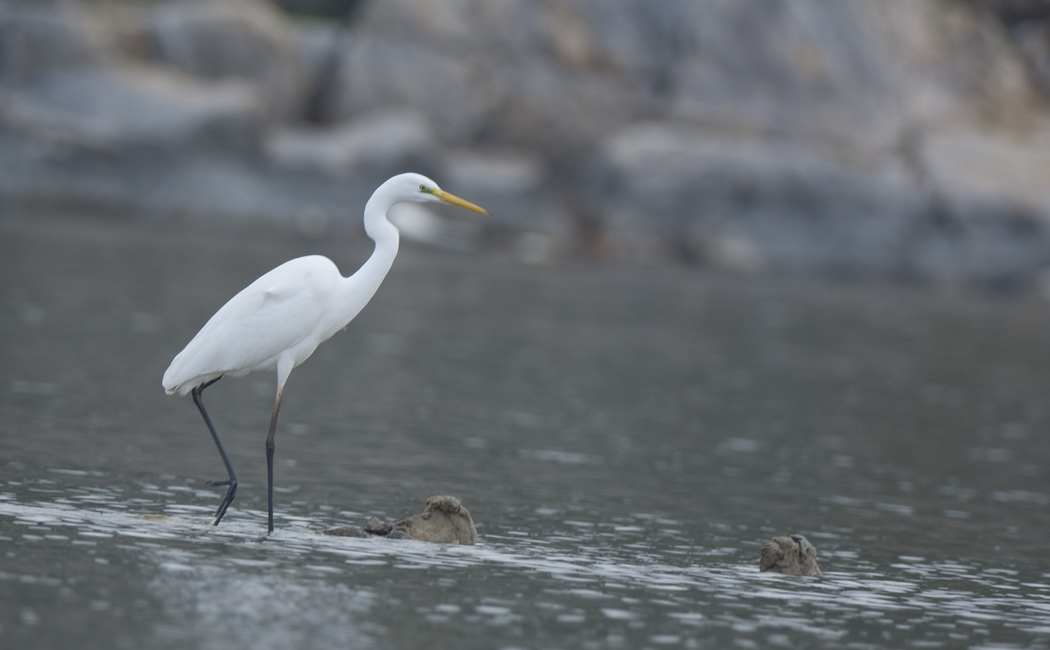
pixel 279 311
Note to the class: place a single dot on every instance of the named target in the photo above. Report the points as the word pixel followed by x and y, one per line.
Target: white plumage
pixel 280 319
pixel 282 316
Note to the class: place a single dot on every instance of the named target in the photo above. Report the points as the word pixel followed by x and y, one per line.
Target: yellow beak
pixel 452 199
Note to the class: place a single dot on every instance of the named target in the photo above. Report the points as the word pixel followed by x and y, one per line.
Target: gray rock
pixel 786 128
pixel 443 521
pixel 129 109
pixel 902 138
pixel 36 39
pixel 487 173
pixel 793 556
pixel 233 39
pixel 513 71
pixel 378 144
pixel 48 175
pixel 345 531
pixel 566 71
pixel 319 47
pixel 754 203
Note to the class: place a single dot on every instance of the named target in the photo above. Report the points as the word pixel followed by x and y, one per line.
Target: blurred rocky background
pixel 904 139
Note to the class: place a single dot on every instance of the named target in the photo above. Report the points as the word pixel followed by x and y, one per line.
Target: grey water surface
pixel 626 439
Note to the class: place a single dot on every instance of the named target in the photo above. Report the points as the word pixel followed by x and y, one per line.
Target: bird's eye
pixel 422 188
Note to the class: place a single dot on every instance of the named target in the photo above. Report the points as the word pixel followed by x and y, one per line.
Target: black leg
pixel 232 481
pixel 270 446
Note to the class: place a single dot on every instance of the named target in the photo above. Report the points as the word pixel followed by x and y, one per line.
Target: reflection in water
pixel 626 440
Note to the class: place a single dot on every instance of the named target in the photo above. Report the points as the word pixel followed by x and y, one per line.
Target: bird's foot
pixel 226 500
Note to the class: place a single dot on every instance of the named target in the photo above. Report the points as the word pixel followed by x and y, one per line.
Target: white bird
pixel 280 319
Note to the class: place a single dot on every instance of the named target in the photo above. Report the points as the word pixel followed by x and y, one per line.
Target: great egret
pixel 280 319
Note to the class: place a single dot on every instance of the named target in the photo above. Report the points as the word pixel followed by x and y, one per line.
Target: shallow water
pixel 625 438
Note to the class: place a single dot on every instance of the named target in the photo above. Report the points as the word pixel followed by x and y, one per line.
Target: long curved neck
pixel 359 288
pixel 385 235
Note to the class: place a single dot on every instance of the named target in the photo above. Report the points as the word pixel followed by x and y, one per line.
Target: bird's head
pixel 420 189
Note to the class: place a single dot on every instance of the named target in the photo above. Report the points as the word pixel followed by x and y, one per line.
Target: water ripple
pixel 194 567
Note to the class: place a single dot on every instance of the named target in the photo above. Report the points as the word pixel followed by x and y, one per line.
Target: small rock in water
pixel 376 527
pixel 443 521
pixel 344 531
pixel 793 556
